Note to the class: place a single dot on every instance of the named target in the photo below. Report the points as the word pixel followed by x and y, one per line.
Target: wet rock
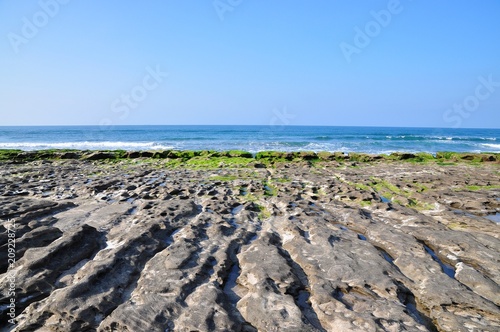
pixel 100 156
pixel 402 156
pixel 141 247
pixel 134 154
pixel 71 155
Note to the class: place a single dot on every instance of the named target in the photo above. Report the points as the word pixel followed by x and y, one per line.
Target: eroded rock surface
pixel 136 246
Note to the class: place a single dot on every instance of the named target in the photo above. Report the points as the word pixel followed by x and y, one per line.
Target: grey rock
pixel 137 247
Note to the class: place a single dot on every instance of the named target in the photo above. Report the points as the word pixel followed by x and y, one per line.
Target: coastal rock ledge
pixel 321 245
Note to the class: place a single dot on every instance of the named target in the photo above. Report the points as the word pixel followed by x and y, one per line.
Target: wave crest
pixel 107 145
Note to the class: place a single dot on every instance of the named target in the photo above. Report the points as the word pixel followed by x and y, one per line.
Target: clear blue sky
pixel 240 62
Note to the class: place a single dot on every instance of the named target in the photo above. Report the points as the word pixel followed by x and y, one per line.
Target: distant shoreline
pixel 243 157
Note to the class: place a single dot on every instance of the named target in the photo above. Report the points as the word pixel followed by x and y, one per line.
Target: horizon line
pixel 239 125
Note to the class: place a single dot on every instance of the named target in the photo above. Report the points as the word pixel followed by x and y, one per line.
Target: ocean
pixel 251 138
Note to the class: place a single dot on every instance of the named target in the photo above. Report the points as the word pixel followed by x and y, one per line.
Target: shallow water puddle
pixel 411 306
pixel 447 269
pixel 305 306
pixel 464 213
pixel 237 210
pixel 170 238
pixel 211 262
pixel 386 256
pixel 132 211
pixel 153 180
pixel 384 199
pixel 231 284
pixel 494 217
pixel 233 222
pixel 253 238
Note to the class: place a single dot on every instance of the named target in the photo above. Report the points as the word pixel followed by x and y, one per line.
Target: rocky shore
pixel 230 241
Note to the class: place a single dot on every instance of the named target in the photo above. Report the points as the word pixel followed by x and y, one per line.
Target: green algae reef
pixel 248 165
pixel 236 158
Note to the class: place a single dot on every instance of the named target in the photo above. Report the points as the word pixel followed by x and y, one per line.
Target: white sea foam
pixel 30 146
pixel 494 146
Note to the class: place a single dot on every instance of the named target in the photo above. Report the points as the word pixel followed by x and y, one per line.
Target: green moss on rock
pixel 364 157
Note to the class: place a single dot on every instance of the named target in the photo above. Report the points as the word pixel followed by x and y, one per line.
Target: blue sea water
pixel 252 138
